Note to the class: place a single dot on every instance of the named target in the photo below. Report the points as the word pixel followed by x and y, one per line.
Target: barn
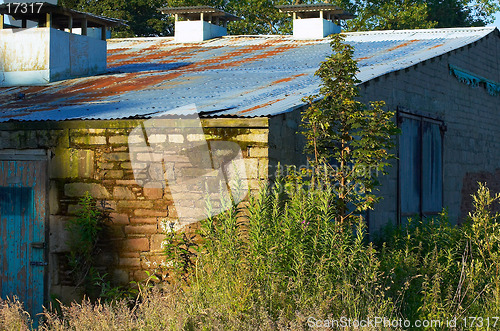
pixel 165 118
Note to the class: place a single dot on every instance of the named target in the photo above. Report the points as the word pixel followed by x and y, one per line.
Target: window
pixel 420 166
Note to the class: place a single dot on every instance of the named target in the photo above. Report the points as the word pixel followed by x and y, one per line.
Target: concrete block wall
pixel 472 140
pixel 286 144
pixel 94 156
pixel 48 55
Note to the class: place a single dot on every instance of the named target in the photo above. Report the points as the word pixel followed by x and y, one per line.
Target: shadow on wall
pixel 470 186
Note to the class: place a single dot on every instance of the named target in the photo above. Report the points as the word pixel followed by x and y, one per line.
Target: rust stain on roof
pixel 288 79
pixel 402 45
pixel 267 104
pixel 94 89
pixel 436 46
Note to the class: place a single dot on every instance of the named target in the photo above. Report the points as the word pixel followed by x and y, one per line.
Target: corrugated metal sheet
pixel 245 76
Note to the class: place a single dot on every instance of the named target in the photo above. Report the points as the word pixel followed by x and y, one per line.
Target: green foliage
pixel 281 254
pixel 180 250
pixel 262 17
pixel 279 260
pixel 85 230
pixel 422 14
pixel 391 15
pixel 346 138
pixel 440 271
pixel 142 16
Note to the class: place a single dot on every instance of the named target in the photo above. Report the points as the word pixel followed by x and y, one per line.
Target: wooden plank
pixel 84 26
pixel 70 24
pixel 22 221
pixel 103 32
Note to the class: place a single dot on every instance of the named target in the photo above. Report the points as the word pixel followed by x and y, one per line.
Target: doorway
pixel 23 183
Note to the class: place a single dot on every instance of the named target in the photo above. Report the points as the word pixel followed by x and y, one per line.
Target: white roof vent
pixel 199 23
pixel 315 21
pixel 50 51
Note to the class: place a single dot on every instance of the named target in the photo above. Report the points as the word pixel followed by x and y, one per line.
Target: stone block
pixel 130 262
pixel 176 138
pixel 58 235
pixel 157 242
pixel 113 174
pixel 128 165
pixel 153 193
pixel 253 137
pixel 152 262
pixel 151 213
pixel 252 168
pixel 144 220
pixel 97 191
pixel 259 152
pixel 141 229
pixel 54 204
pixel 157 138
pixel 117 156
pixel 106 166
pixel 135 204
pixel 123 193
pixel 195 137
pixel 150 157
pixel 115 232
pixel 121 276
pixel 72 163
pixel 136 245
pixel 263 168
pixel 119 219
pixel 118 140
pixel 140 275
pixel 89 140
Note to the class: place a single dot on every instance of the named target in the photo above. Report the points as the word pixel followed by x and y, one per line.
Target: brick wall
pixel 94 156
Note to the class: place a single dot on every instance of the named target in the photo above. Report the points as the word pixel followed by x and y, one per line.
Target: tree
pixel 391 15
pixel 461 13
pixel 142 16
pixel 344 136
pixel 262 17
pixel 418 14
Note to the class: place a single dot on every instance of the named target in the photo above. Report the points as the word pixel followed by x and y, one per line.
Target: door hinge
pixel 39 245
pixel 38 264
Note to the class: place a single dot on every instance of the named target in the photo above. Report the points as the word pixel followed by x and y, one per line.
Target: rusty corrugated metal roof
pixel 246 76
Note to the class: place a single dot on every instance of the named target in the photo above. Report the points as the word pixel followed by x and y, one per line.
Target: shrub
pixel 280 259
pixel 13 316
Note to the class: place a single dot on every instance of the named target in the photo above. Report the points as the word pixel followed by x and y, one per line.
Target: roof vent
pixel 199 23
pixel 315 21
pixel 49 51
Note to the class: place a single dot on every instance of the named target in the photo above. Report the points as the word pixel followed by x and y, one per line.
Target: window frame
pixel 402 114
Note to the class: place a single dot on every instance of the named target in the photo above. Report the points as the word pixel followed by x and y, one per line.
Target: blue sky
pixel 497 21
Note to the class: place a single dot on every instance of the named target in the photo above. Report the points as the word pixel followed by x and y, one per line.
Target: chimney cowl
pixel 199 23
pixel 315 21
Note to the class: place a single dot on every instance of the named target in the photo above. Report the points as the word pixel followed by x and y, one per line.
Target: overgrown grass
pixel 280 259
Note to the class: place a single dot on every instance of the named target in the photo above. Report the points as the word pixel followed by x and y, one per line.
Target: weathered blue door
pixel 22 229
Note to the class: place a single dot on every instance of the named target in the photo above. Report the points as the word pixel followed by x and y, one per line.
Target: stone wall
pixel 471 115
pixel 93 156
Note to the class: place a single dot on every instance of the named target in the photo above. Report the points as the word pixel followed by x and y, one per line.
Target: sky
pixel 497 21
